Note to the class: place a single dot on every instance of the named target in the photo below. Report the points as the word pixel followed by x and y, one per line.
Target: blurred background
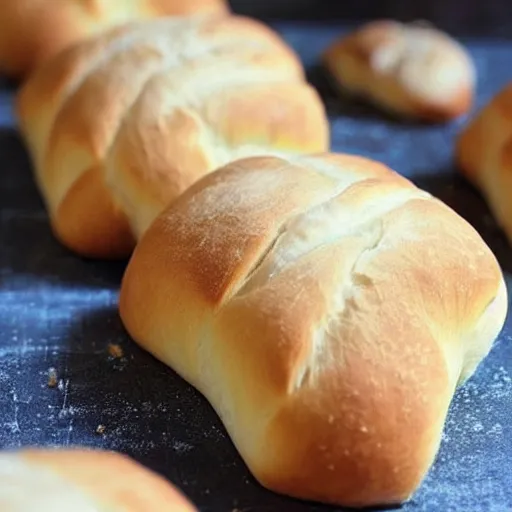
pixel 466 17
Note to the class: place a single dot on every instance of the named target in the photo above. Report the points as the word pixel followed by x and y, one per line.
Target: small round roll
pixel 80 480
pixel 33 31
pixel 406 68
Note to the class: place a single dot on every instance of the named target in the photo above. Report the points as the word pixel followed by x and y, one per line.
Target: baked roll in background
pixel 79 480
pixel 409 69
pixel 122 124
pixel 32 31
pixel 484 155
pixel 328 309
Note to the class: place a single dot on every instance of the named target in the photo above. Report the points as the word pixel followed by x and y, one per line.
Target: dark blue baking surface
pixel 59 311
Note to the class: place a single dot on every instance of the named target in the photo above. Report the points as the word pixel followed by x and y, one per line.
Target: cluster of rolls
pixel 325 306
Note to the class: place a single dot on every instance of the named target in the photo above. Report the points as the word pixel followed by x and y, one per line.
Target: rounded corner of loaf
pixel 87 221
pixel 360 454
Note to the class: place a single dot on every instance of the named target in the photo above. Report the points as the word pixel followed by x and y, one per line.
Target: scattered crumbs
pixel 478 427
pixel 496 429
pixel 52 378
pixel 181 447
pixel 115 351
pixel 66 412
pixel 100 430
pixel 146 407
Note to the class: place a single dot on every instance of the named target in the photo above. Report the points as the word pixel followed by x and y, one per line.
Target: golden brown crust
pixel 409 69
pixel 154 106
pixel 33 31
pixel 90 480
pixel 327 309
pixel 105 232
pixel 484 155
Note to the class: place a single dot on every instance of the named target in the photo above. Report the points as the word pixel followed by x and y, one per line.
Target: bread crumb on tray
pixel 52 378
pixel 115 350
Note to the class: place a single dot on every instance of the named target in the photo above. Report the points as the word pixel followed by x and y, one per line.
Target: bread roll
pixel 327 308
pixel 484 155
pixel 120 125
pixel 406 68
pixel 32 31
pixel 79 480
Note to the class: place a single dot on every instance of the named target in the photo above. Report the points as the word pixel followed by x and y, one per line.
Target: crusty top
pixel 154 106
pixel 33 31
pixel 327 308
